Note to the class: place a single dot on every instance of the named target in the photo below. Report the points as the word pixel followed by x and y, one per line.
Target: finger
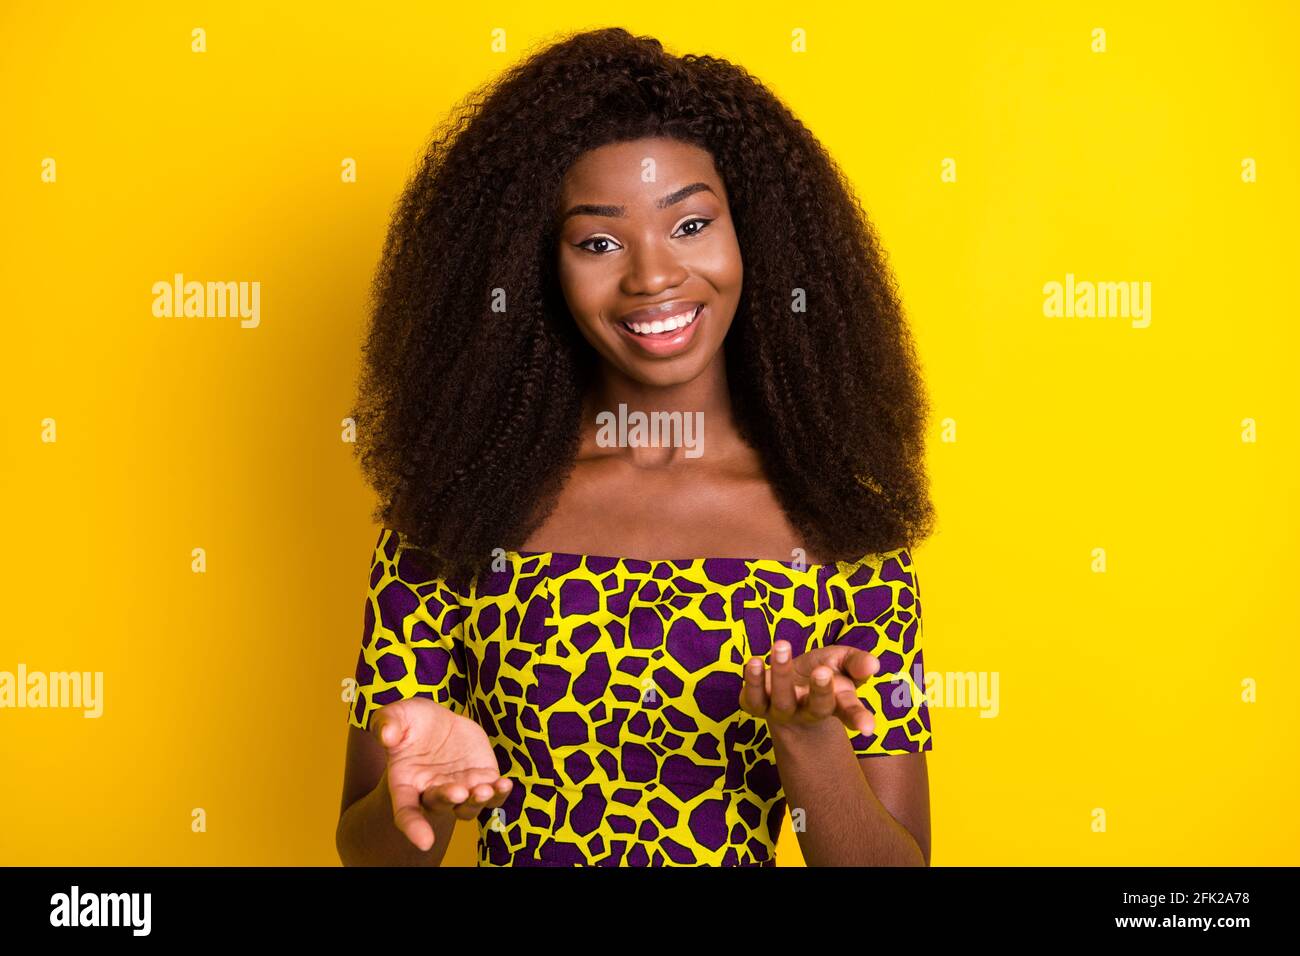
pixel 784 703
pixel 408 817
pixel 854 713
pixel 800 691
pixel 753 696
pixel 388 726
pixel 465 800
pixel 852 662
pixel 501 790
pixel 444 797
pixel 821 699
pixel 486 794
pixel 859 665
pixel 468 810
pixel 473 805
pixel 816 657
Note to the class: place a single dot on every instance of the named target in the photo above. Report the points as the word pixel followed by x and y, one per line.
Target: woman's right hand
pixel 438 763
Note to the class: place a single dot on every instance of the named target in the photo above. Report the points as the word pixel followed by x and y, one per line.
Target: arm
pixel 859 811
pixel 432 749
pixel 366 834
pixel 877 812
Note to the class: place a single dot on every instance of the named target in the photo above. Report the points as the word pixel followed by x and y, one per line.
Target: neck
pixel 707 394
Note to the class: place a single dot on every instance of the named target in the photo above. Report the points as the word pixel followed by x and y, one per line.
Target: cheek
pixel 723 265
pixel 583 291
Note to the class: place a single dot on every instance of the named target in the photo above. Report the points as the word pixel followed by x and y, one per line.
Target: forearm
pixel 845 823
pixel 367 835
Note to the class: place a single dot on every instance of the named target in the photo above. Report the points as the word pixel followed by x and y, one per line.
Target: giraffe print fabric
pixel 610 689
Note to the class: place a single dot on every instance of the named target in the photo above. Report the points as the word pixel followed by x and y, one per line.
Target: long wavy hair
pixel 468 419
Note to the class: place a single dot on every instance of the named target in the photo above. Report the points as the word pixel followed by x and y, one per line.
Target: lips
pixel 659 323
pixel 660 310
pixel 676 329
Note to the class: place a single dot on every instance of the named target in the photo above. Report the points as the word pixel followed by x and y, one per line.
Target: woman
pixel 562 608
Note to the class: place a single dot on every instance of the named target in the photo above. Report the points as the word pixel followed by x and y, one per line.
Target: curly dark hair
pixel 468 423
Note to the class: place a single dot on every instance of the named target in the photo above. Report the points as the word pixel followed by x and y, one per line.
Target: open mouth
pixel 663 328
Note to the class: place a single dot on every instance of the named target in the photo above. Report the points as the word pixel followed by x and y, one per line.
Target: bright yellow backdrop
pixel 1119 692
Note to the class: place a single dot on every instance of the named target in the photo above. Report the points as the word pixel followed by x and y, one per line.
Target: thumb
pixel 860 664
pixel 853 662
pixel 388 727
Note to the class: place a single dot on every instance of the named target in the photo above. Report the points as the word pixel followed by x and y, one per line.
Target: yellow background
pixel 1119 690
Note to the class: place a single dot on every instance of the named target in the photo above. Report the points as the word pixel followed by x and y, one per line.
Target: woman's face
pixel 647 243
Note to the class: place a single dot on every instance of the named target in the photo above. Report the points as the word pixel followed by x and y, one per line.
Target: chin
pixel 665 373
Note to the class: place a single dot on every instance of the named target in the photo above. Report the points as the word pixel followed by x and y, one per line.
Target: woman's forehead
pixel 643 169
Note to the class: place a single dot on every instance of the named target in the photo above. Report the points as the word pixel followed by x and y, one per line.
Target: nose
pixel 652 267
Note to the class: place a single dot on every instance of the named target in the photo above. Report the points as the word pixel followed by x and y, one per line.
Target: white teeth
pixel 671 324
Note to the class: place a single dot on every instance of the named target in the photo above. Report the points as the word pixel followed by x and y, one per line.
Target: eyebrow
pixel 590 209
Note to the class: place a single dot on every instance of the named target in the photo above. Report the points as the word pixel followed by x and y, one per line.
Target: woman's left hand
pixel 807 689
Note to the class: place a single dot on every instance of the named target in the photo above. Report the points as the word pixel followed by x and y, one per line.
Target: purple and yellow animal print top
pixel 610 689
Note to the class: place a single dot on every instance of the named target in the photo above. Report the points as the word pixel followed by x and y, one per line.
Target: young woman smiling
pixel 624 655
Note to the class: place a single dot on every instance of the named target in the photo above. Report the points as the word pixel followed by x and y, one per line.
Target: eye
pixel 704 223
pixel 699 221
pixel 583 244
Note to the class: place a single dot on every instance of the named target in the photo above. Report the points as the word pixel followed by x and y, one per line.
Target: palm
pixel 789 693
pixel 438 761
pixel 439 750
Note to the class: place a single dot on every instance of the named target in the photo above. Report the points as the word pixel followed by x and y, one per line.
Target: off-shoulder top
pixel 610 688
